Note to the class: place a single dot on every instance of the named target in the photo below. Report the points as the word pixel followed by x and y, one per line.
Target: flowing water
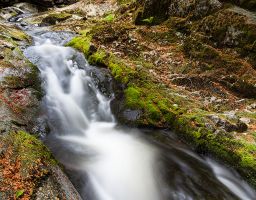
pixel 104 161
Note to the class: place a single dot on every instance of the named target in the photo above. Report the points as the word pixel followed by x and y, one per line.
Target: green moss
pixel 236 152
pixel 109 18
pixel 254 135
pixel 98 58
pixel 163 105
pixel 81 43
pixel 19 193
pixel 148 20
pixel 196 134
pixel 133 96
pixel 19 35
pixel 116 70
pixel 119 69
pixel 153 110
pixel 31 149
pixel 251 115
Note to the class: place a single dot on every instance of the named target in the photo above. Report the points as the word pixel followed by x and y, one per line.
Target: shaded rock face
pixel 153 8
pixel 161 10
pixel 248 4
pixel 53 19
pixel 232 27
pixel 19 83
pixel 195 9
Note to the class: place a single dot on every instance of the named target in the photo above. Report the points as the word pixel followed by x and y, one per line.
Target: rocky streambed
pixel 191 72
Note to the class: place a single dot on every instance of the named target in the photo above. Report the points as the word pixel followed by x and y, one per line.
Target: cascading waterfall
pixel 118 164
pixel 84 116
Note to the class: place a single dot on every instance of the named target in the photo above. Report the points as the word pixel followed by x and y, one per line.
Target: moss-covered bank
pixel 136 57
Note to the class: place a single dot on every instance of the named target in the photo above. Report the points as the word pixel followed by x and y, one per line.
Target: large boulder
pixel 233 27
pixel 248 4
pixel 159 11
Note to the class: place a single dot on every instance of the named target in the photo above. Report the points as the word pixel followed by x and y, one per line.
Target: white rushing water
pixel 119 165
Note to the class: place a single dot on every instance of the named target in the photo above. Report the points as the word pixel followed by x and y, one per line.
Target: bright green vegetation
pixel 30 149
pixel 148 20
pixel 98 57
pixel 81 43
pixel 19 193
pixel 109 18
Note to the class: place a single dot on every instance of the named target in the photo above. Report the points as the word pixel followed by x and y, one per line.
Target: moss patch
pixel 56 17
pixel 81 43
pixel 98 58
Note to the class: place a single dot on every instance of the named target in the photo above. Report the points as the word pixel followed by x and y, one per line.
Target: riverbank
pixel 180 75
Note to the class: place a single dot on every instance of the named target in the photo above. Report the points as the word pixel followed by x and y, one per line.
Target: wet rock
pixel 228 126
pixel 131 115
pixel 103 80
pixel 9 12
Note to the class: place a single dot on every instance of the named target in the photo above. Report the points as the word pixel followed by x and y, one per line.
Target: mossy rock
pixel 155 12
pixel 54 18
pixel 233 28
pixel 29 159
pixel 238 153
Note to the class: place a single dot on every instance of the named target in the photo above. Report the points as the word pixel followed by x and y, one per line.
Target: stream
pixel 105 161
